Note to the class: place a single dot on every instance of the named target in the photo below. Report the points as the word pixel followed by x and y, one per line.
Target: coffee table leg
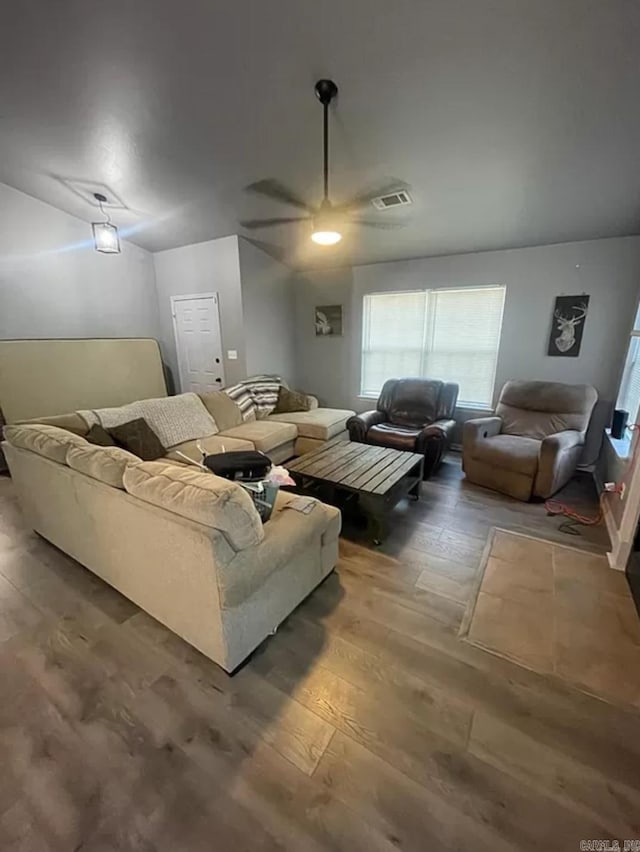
pixel 376 518
pixel 414 492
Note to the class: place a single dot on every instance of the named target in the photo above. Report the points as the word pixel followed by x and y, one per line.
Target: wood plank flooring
pixel 364 724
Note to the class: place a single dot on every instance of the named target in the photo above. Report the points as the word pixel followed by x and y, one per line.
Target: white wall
pixel 268 306
pixel 54 284
pixel 210 267
pixel 608 270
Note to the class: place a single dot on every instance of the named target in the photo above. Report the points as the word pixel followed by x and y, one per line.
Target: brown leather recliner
pixel 412 414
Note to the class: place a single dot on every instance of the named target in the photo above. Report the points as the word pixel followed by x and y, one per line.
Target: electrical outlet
pixel 232 354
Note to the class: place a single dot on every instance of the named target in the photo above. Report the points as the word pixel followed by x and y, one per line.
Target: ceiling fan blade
pixel 385 226
pixel 367 197
pixel 269 223
pixel 276 190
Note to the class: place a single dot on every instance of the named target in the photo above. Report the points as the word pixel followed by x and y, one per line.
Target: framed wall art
pixel 567 326
pixel 328 320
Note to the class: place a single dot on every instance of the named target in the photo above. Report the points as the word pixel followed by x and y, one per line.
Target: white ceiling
pixel 515 122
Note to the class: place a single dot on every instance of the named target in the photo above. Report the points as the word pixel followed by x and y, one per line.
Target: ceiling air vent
pixel 393 199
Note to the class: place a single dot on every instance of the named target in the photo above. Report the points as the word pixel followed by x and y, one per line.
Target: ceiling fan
pixel 327 219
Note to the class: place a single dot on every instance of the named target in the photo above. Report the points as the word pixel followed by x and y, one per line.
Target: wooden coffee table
pixel 378 475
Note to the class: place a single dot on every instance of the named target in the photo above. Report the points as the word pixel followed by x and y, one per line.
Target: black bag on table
pixel 240 465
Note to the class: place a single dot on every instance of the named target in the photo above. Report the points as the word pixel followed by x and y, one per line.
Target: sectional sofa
pixel 188 547
pixel 280 436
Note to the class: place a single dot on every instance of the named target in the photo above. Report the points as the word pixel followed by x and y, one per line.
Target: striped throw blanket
pixel 256 397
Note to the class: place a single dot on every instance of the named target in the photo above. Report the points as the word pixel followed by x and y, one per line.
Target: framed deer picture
pixel 567 327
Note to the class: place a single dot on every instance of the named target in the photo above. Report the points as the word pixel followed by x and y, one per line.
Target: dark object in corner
pixel 619 424
pixel 99 436
pixel 415 415
pixel 138 438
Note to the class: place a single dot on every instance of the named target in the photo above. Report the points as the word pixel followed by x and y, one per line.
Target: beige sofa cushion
pixel 287 533
pixel 107 464
pixel 222 408
pixel 321 423
pixel 510 452
pixel 49 441
pixel 198 496
pixel 211 445
pixel 265 435
pixel 72 422
pixel 308 445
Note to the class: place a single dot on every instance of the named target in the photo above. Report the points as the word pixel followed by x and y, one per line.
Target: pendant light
pixel 105 234
pixel 325 230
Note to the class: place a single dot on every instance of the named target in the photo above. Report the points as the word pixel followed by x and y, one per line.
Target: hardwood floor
pixel 365 723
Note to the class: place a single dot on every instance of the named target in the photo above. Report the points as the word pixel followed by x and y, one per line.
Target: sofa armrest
pixel 479 429
pixel 448 401
pixel 312 401
pixel 559 455
pixel 359 424
pixel 554 444
pixel 433 442
pixel 440 428
pixel 440 431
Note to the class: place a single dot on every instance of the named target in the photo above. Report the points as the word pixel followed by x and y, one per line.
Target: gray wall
pixel 211 267
pixel 325 364
pixel 268 306
pixel 54 284
pixel 608 270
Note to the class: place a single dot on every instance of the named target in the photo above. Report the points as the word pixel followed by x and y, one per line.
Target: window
pixel 445 334
pixel 629 394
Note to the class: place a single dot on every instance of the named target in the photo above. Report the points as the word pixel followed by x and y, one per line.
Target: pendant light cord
pixel 104 213
pixel 326 152
pixel 101 199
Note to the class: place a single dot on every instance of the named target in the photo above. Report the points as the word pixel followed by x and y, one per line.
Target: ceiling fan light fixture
pixel 327 221
pixel 325 237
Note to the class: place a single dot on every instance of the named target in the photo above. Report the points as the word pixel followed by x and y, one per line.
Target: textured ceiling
pixel 515 122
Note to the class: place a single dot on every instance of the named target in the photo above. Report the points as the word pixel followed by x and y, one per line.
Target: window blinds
pixel 448 334
pixel 629 396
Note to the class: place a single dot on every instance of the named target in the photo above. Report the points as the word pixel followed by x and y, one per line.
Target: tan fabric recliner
pixel 533 443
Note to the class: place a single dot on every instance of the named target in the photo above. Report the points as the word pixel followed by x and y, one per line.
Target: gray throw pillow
pixel 289 401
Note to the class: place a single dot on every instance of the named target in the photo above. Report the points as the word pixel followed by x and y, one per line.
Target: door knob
pixel 218 380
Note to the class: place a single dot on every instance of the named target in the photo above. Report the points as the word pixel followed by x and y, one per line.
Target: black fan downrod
pixel 326 90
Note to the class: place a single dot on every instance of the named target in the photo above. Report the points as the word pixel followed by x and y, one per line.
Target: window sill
pixel 474 406
pixel 620 446
pixel 462 406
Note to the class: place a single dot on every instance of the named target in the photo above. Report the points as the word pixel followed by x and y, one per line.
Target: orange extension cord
pixel 554 507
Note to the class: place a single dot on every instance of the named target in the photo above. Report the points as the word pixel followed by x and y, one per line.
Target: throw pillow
pixel 138 438
pixel 99 436
pixel 289 401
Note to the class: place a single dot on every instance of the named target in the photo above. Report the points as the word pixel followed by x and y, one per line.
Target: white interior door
pixel 196 323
